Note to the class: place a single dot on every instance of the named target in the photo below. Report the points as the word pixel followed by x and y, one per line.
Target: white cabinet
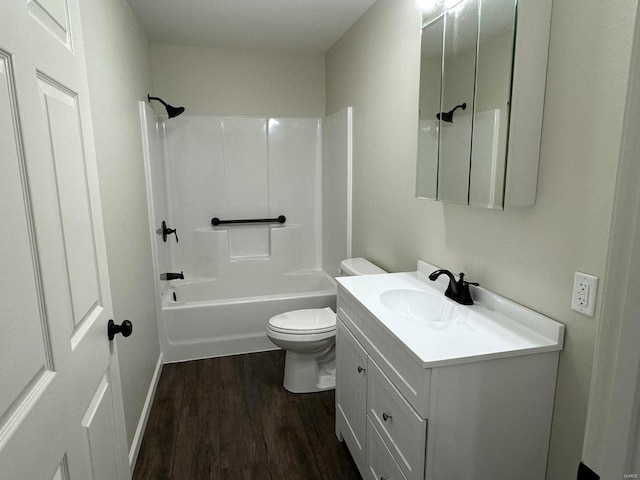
pixel 351 393
pixel 385 434
pixel 469 418
pixel 482 84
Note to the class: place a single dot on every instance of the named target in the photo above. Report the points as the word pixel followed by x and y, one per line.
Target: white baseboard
pixel 144 416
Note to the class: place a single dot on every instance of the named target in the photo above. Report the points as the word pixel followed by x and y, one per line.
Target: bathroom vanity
pixel 430 389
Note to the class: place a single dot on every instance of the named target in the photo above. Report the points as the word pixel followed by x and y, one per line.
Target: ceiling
pixel 284 25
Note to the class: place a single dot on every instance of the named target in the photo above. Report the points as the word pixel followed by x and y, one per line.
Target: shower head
pixel 171 110
pixel 448 116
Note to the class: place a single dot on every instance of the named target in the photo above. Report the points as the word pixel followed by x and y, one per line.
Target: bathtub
pixel 205 317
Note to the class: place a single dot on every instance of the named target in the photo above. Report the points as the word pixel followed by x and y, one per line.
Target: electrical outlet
pixel 585 289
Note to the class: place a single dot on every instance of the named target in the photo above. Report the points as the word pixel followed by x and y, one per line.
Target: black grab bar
pixel 215 221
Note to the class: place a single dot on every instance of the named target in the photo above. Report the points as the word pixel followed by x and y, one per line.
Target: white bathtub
pixel 228 316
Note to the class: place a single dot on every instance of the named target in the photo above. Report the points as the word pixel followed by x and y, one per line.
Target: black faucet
pixel 172 276
pixel 457 290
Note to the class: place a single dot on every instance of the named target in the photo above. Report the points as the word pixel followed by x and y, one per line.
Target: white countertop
pixel 493 327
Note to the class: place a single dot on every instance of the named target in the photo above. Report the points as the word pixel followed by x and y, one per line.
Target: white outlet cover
pixel 585 291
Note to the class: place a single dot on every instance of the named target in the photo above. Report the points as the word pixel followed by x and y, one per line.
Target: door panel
pixel 100 431
pixel 22 339
pixel 62 119
pixel 53 15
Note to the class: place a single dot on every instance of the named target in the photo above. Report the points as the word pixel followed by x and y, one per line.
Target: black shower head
pixel 171 110
pixel 174 111
pixel 448 116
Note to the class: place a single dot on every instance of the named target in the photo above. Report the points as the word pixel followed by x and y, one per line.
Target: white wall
pixel 119 75
pixel 226 82
pixel 528 255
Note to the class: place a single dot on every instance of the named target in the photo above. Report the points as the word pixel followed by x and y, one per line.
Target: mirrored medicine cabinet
pixel 482 78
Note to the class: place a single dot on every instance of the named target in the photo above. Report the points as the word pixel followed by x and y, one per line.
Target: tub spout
pixel 172 276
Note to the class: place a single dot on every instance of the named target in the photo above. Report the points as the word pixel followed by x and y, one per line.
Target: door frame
pixel 612 437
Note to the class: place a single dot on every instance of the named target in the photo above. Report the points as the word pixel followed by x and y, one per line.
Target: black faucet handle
pixel 463 295
pixel 165 231
pixel 458 290
pixel 462 281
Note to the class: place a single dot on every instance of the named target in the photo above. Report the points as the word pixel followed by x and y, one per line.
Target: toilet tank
pixel 359 266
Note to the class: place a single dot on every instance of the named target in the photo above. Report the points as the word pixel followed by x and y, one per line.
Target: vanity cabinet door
pixel 351 393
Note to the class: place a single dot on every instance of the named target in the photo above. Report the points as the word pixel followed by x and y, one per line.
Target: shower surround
pixel 238 276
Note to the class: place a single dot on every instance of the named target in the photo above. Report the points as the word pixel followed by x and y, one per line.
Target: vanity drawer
pixel 380 462
pixel 402 429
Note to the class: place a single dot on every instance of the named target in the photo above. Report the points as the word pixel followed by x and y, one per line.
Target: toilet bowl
pixel 309 338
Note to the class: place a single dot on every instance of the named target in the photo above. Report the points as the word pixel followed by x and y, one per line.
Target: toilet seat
pixel 304 322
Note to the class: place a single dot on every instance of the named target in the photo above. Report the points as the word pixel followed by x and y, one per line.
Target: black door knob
pixel 125 329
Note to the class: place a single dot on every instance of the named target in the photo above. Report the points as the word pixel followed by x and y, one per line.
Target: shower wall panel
pixel 246 168
pixel 235 168
pixel 152 135
pixel 295 163
pixel 194 165
pixel 336 189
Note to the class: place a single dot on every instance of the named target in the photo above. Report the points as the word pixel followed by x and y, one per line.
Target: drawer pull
pixel 384 478
pixel 386 416
pixel 361 369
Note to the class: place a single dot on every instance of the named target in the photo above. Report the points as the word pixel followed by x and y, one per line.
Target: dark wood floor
pixel 230 418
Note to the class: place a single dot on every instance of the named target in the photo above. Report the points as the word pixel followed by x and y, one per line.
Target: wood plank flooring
pixel 230 418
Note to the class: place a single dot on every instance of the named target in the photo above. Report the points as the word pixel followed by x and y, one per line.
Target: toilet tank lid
pixel 359 266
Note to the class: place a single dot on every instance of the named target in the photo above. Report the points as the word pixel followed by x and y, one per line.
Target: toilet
pixel 309 338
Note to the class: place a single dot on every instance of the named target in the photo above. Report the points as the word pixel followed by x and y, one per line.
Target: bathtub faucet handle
pixel 165 231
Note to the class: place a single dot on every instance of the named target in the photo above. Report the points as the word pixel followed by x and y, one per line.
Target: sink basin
pixel 419 305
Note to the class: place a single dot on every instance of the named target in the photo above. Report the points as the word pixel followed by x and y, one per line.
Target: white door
pixel 61 414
